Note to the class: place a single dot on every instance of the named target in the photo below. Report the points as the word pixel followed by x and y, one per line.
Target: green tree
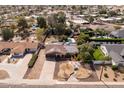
pixel 60 29
pixel 87 56
pixel 63 38
pixel 22 23
pixel 103 11
pixel 82 38
pixel 85 53
pixel 7 34
pixel 112 13
pixel 90 19
pixel 39 34
pixel 56 19
pixel 41 22
pixel 101 32
pixel 61 17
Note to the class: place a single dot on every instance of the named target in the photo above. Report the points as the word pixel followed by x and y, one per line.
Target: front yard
pixel 109 75
pixel 98 54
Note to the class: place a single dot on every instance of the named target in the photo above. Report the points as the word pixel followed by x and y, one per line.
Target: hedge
pixel 107 39
pixel 32 61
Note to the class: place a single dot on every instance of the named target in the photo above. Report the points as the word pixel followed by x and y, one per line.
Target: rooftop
pixel 17 47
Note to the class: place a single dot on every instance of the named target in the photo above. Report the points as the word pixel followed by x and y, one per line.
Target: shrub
pixel 107 39
pixel 106 75
pixel 7 34
pixel 114 67
pixel 114 79
pixel 32 61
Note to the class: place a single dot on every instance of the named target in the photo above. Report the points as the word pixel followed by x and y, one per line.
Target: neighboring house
pixel 80 21
pixel 117 33
pixel 71 41
pixel 115 51
pixel 110 19
pixel 18 50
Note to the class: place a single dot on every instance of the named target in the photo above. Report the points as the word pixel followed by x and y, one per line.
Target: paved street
pixel 59 86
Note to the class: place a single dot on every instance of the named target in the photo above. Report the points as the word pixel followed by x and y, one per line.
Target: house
pixel 60 51
pixel 18 50
pixel 117 33
pixel 80 21
pixel 115 51
pixel 111 19
pixel 71 41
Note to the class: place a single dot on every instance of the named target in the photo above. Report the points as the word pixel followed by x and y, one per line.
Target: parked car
pixel 5 51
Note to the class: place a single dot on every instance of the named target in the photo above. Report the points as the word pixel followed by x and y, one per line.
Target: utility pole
pixel 102 71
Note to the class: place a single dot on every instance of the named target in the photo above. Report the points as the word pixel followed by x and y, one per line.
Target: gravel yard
pixel 109 75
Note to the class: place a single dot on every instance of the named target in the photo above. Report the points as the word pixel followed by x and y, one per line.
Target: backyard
pixel 98 54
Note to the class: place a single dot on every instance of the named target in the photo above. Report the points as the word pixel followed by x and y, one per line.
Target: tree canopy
pixel 82 38
pixel 41 22
pixel 85 52
pixel 22 23
pixel 7 34
pixel 39 33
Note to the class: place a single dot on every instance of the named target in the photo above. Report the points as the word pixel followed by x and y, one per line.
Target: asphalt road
pixel 60 86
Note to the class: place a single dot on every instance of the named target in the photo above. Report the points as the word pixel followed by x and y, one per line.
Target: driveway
pixel 17 71
pixel 34 73
pixel 48 71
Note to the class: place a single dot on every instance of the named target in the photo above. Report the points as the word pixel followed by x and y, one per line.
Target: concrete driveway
pixel 17 71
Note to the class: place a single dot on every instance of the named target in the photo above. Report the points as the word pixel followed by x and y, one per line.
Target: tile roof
pixel 118 33
pixel 116 57
pixel 114 47
pixel 63 49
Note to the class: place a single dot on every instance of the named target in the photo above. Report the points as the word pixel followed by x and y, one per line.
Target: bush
pixel 114 79
pixel 32 61
pixel 7 34
pixel 106 75
pixel 63 38
pixel 114 67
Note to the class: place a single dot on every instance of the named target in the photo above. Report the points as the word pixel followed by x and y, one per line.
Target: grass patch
pixel 98 54
pixel 32 61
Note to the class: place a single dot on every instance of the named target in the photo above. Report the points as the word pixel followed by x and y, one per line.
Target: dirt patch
pixel 82 73
pixel 91 78
pixel 108 75
pixel 2 58
pixel 57 69
pixel 3 74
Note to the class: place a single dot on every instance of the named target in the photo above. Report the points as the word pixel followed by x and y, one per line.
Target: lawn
pixel 98 54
